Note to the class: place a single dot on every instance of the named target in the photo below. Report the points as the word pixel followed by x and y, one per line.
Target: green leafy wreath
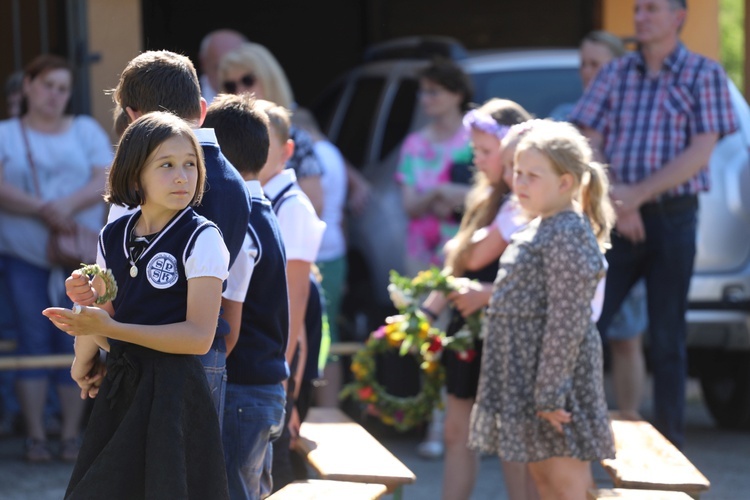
pixel 411 334
pixel 110 285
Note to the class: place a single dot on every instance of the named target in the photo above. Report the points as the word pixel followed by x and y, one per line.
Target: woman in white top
pixel 66 156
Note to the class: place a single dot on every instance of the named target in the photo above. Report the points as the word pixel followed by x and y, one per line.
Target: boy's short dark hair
pixel 138 142
pixel 160 80
pixel 450 76
pixel 241 129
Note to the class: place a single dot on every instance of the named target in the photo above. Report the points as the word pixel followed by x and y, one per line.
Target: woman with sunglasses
pixel 252 68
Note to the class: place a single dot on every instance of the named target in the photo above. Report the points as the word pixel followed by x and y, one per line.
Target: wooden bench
pixel 338 448
pixel 646 460
pixel 322 489
pixel 33 362
pixel 345 348
pixel 622 494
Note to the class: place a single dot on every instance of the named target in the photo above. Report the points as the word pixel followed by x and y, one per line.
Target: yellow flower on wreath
pixel 359 371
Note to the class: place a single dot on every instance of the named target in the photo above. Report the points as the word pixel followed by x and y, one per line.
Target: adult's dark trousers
pixel 666 260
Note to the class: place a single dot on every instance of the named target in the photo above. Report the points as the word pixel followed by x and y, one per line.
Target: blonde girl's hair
pixel 569 153
pixel 279 118
pixel 484 199
pixel 258 60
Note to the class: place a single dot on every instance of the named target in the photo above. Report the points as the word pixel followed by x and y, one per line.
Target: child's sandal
pixel 37 451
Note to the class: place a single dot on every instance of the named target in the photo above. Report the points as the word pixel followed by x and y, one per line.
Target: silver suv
pixel 368 111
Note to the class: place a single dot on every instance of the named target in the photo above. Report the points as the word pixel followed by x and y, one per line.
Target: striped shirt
pixel 647 120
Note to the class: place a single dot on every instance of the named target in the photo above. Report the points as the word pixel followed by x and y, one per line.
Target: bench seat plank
pixel 32 362
pixel 338 448
pixel 345 348
pixel 645 459
pixel 623 494
pixel 319 489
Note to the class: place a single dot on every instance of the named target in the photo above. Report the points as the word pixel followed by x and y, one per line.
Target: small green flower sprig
pixel 110 285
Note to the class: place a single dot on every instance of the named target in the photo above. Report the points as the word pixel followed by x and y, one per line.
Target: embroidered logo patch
pixel 162 270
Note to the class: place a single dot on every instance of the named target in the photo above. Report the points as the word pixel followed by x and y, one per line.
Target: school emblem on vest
pixel 162 270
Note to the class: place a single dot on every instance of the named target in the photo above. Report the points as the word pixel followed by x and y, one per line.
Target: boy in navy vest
pixel 161 80
pixel 256 364
pixel 301 232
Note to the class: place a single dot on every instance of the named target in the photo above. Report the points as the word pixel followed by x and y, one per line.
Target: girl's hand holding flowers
pixel 79 289
pixel 469 296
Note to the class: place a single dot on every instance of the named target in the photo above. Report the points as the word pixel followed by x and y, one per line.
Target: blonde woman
pixel 253 69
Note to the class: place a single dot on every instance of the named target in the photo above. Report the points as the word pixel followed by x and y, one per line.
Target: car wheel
pixel 725 381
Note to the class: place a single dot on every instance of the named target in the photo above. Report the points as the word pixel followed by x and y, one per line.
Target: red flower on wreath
pixel 365 393
pixel 468 355
pixel 436 345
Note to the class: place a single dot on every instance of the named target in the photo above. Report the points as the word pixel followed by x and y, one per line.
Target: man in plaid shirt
pixel 655 115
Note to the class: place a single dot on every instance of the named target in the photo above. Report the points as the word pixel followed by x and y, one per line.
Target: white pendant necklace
pixel 133 239
pixel 150 241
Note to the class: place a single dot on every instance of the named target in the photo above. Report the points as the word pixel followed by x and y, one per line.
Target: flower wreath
pixel 110 285
pixel 410 332
pixel 407 294
pixel 410 335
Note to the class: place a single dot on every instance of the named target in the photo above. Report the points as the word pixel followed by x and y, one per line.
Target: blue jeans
pixel 8 402
pixel 666 261
pixel 254 418
pixel 215 365
pixel 27 287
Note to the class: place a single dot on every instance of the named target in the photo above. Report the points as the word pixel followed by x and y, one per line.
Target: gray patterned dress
pixel 542 350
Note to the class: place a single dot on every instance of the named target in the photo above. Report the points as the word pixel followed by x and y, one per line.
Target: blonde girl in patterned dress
pixel 540 399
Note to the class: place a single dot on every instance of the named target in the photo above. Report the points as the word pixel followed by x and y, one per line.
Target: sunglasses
pixel 247 80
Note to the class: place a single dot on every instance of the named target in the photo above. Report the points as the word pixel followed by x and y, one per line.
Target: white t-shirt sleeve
pixel 301 229
pixel 509 219
pixel 597 303
pixel 209 257
pixel 100 260
pixel 241 272
pixel 117 211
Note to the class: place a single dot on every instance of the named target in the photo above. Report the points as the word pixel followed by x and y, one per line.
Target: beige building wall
pixel 701 32
pixel 115 33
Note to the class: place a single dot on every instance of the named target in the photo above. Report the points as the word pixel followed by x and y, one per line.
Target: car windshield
pixel 538 90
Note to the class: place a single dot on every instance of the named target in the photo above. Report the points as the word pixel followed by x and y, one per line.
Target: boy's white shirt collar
pixel 279 181
pixel 254 188
pixel 206 136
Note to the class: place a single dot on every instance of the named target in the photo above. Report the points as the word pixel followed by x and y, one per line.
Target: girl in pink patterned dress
pixel 434 165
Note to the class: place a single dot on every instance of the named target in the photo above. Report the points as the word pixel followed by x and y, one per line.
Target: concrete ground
pixel 722 456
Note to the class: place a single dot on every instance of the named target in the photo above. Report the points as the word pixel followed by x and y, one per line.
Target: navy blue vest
pixel 227 204
pixel 225 201
pixel 315 304
pixel 258 358
pixel 158 294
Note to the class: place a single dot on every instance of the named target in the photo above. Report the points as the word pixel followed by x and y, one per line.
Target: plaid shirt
pixel 647 120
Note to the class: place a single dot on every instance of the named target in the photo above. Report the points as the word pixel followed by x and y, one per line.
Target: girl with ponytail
pixel 540 398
